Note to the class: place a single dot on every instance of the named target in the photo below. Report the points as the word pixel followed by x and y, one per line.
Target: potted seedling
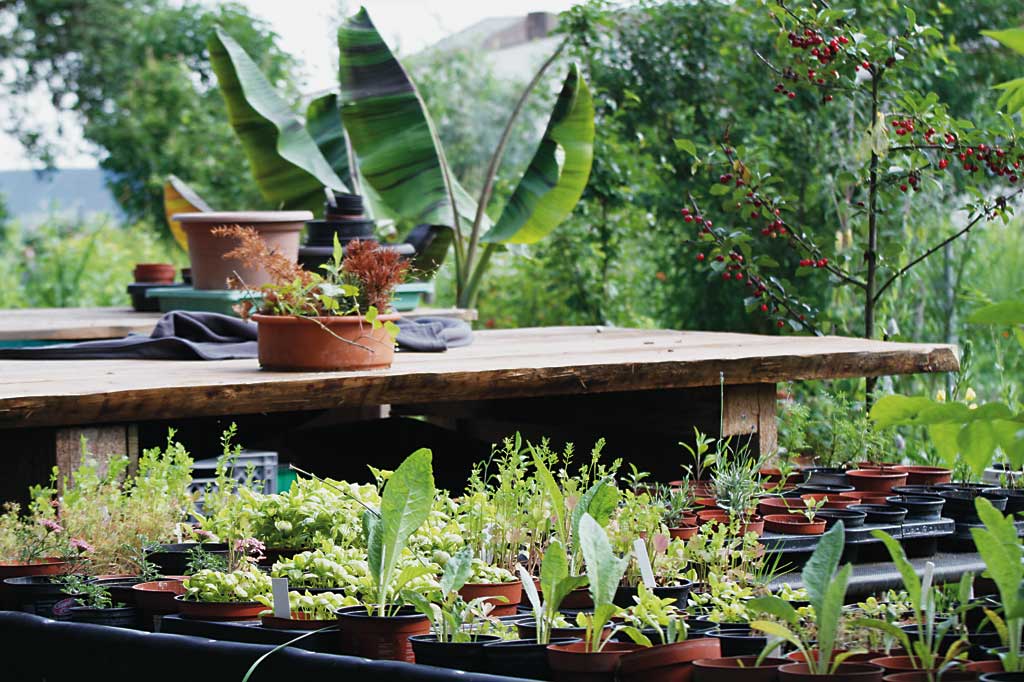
pixel 224 595
pixel 497 586
pixel 597 657
pixel 737 489
pixel 659 625
pixel 826 591
pixel 677 505
pixel 30 545
pixel 383 628
pixel 339 320
pixel 455 640
pixel 93 603
pixel 925 639
pixel 307 611
pixel 799 521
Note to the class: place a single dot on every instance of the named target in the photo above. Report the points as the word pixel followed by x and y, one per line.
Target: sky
pixel 305 27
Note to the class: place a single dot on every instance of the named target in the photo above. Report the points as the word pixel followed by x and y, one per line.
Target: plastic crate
pixel 264 466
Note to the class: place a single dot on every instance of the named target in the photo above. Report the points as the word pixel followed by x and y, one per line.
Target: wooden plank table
pixel 87 324
pixel 592 375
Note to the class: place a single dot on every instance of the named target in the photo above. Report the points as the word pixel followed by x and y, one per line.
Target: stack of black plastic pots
pixel 344 216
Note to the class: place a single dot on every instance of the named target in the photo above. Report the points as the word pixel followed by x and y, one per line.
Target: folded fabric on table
pixel 184 335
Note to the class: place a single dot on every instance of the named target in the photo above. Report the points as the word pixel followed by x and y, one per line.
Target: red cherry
pixel 700 257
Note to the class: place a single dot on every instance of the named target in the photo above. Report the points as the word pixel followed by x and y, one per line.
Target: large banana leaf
pixel 323 122
pixel 180 198
pixel 391 132
pixel 289 169
pixel 554 182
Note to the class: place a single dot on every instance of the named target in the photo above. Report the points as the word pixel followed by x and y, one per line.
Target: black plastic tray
pixel 250 632
pixel 908 530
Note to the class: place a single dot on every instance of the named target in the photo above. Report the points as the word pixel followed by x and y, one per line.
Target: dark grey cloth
pixel 184 335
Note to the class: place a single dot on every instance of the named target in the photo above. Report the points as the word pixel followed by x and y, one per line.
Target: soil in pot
pixel 740 641
pixel 851 518
pixel 960 503
pixel 876 480
pixel 925 475
pixel 919 507
pixel 845 672
pixel 279 229
pixel 881 513
pixel 157 597
pixel 737 669
pixel 312 344
pixel 206 610
pixel 794 524
pixel 118 617
pixel 520 657
pixel 666 662
pixel 572 663
pixel 383 637
pixel 512 593
pixel 468 656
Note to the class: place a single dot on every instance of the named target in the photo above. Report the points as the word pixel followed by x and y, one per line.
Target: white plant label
pixel 280 590
pixel 642 558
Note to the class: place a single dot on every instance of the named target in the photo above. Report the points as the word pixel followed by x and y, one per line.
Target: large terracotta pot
pixel 157 597
pixel 279 229
pixel 793 524
pixel 208 610
pixel 923 475
pixel 845 672
pixel 382 637
pixel 876 480
pixel 668 662
pixel 311 344
pixel 572 663
pixel 512 592
pixel 737 669
pixel 154 273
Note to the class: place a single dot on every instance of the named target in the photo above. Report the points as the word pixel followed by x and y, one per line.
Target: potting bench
pixel 596 377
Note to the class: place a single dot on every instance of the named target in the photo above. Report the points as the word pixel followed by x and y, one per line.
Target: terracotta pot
pixel 512 592
pixel 865 657
pixel 683 532
pixel 298 621
pixel 668 662
pixel 707 515
pixel 864 464
pixel 572 663
pixel 737 669
pixel 902 664
pixel 302 344
pixel 157 597
pixel 154 273
pixel 982 667
pixel 18 569
pixel 705 500
pixel 205 610
pixel 845 672
pixel 578 599
pixel 279 229
pixel 753 524
pixel 869 496
pixel 922 475
pixel 876 480
pixel 779 505
pixel 832 500
pixel 793 524
pixel 382 638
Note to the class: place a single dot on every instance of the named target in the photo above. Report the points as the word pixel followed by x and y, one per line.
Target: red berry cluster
pixel 811 263
pixel 905 126
pixel 813 41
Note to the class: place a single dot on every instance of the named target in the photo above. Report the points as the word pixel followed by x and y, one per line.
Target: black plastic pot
pixel 919 507
pixel 520 657
pixel 1001 677
pixel 321 232
pixel 914 634
pixel 851 518
pixel 123 617
pixel 966 486
pixel 142 303
pixel 41 595
pixel 624 594
pixel 172 559
pixel 881 513
pixel 699 628
pixel 960 503
pixel 825 488
pixel 345 204
pixel 527 629
pixel 825 476
pixel 913 490
pixel 739 641
pixel 1014 500
pixel 468 656
pixel 120 589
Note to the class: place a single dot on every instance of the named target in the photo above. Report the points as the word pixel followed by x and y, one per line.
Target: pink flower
pixel 250 547
pixel 82 545
pixel 203 533
pixel 51 525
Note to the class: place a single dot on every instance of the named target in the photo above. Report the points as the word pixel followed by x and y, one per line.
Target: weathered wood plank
pixel 500 364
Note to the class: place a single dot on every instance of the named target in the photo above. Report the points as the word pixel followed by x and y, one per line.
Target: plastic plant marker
pixel 646 572
pixel 279 587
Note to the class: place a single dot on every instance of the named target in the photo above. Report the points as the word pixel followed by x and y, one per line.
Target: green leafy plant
pixel 651 612
pixel 453 619
pixel 811 509
pixel 1000 549
pixel 735 480
pixel 87 593
pixel 405 506
pixel 1012 98
pixel 701 453
pixel 826 590
pixel 923 649
pixel 242 585
pixel 199 559
pixel 604 573
pixel 309 606
pixel 555 584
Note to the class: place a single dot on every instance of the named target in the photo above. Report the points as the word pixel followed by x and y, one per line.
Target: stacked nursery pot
pixel 345 218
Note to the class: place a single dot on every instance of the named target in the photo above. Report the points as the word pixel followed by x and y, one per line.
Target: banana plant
pixel 180 198
pixel 401 156
pixel 288 165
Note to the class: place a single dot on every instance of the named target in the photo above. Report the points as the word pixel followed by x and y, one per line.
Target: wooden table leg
pixel 750 409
